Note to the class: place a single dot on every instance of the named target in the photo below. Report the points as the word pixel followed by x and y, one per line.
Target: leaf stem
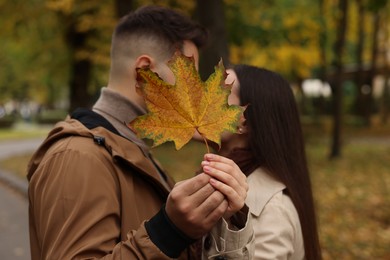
pixel 205 141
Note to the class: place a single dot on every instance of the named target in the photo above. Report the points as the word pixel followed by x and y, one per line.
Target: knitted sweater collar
pixel 119 111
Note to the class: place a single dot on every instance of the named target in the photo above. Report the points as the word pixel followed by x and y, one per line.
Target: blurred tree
pixel 378 9
pixel 359 76
pixel 211 14
pixel 337 84
pixel 322 68
pixel 82 27
pixel 186 7
pixel 368 97
pixel 32 54
pixel 385 106
pixel 385 54
pixel 123 7
pixel 371 23
pixel 274 34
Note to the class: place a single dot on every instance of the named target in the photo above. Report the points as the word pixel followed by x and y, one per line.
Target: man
pixel 96 192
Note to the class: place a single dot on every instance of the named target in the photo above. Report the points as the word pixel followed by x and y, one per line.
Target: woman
pixel 269 149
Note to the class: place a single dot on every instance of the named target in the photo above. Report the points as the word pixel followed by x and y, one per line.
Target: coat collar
pixel 262 187
pixel 119 112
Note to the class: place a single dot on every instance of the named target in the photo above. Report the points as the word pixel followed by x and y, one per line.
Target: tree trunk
pixel 211 15
pixel 123 7
pixel 359 80
pixel 337 84
pixel 386 100
pixel 302 101
pixel 322 42
pixel 79 81
pixel 369 99
pixel 80 68
pixel 386 92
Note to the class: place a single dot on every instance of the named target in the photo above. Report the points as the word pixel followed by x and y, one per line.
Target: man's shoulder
pixel 79 143
pixel 70 138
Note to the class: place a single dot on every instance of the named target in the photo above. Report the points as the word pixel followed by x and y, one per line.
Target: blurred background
pixel 54 57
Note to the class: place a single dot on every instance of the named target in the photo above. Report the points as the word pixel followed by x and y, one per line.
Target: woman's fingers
pixel 226 171
pixel 226 165
pixel 228 179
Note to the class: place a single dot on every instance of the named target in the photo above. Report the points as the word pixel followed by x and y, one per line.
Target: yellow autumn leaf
pixel 175 112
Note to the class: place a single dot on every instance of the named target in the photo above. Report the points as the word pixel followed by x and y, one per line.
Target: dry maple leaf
pixel 177 111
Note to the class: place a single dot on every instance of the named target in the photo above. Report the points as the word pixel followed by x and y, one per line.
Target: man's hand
pixel 194 206
pixel 228 179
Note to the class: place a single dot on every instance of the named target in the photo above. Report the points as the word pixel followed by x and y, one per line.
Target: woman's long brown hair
pixel 277 142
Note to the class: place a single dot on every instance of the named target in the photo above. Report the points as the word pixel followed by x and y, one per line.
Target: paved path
pixel 16 147
pixel 12 148
pixel 14 240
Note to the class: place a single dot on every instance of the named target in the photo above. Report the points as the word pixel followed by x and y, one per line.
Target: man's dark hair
pixel 170 27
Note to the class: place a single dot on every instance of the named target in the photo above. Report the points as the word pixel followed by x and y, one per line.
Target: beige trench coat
pixel 275 220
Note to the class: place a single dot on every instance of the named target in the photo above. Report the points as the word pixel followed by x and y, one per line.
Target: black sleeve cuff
pixel 166 236
pixel 239 219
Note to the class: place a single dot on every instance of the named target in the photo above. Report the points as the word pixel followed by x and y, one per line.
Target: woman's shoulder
pixel 268 194
pixel 262 177
pixel 265 190
pixel 262 187
pixel 282 203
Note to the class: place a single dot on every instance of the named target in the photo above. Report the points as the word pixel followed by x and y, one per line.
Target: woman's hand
pixel 226 177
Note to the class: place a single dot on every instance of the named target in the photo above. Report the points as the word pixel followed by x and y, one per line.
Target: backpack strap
pixel 91 119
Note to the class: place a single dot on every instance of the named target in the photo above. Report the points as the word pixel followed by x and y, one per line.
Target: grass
pixel 23 130
pixel 352 193
pixel 181 164
pixel 353 200
pixel 16 164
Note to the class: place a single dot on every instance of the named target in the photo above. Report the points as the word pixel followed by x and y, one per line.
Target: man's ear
pixel 144 61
